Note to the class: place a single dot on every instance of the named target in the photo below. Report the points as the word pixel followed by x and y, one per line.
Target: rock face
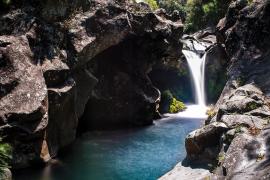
pixel 216 64
pixel 241 148
pixel 87 63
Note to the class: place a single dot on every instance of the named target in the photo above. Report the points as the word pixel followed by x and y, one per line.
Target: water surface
pixel 134 154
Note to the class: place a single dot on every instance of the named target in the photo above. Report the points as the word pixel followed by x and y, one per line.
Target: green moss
pixel 251 106
pixel 211 113
pixel 176 106
pixel 5 156
pixel 239 129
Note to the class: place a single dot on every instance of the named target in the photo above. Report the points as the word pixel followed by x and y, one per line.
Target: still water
pixel 134 154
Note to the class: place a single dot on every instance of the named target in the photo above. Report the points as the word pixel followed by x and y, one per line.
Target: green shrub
pixel 5 155
pixel 152 3
pixel 176 106
pixel 170 104
pixel 211 112
pixel 201 14
pixel 171 5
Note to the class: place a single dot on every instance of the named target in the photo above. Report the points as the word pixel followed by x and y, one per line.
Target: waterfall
pixel 197 65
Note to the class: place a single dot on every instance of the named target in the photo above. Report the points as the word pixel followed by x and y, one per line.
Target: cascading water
pixel 197 68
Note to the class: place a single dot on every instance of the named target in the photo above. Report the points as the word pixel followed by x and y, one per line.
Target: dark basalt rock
pixel 216 64
pixel 69 62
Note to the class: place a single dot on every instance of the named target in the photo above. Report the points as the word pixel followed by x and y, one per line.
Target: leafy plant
pixel 5 155
pixel 176 106
pixel 201 14
pixel 172 5
pixel 220 158
pixel 211 112
pixel 152 3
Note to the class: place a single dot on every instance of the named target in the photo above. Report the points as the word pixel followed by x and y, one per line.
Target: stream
pixel 134 154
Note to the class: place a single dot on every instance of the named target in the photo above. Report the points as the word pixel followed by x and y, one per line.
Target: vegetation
pixel 170 103
pixel 197 14
pixel 201 14
pixel 221 158
pixel 5 156
pixel 239 129
pixel 172 5
pixel 211 112
pixel 252 105
pixel 152 3
pixel 176 106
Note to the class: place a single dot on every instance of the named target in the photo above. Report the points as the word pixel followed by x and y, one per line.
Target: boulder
pixel 204 143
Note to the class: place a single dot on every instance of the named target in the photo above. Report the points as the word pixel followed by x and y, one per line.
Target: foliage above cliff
pixel 197 14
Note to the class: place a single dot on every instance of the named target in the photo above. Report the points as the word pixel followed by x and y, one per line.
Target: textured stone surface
pixel 186 173
pixel 66 63
pixel 243 150
pixel 204 143
pixel 23 103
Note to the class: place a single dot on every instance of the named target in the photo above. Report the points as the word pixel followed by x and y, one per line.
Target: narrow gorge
pixel 126 89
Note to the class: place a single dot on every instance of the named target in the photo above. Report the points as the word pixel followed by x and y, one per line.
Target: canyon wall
pixel 69 66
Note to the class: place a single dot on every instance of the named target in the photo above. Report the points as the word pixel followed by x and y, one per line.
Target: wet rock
pixel 201 142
